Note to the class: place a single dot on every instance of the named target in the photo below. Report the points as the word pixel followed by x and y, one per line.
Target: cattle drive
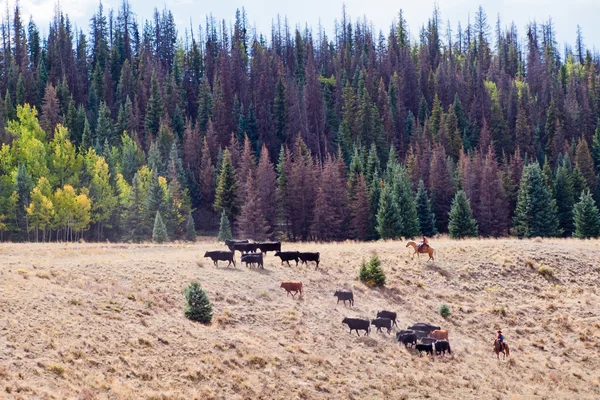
pixel 344 295
pixel 290 287
pixel 217 256
pixel 356 324
pixel 387 314
pixel 382 323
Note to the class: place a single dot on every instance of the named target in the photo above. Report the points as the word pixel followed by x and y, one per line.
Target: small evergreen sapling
pixel 159 233
pixel 190 229
pixel 197 307
pixel 224 228
pixel 372 274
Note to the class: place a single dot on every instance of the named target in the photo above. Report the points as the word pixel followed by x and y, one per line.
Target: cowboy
pixel 500 338
pixel 424 243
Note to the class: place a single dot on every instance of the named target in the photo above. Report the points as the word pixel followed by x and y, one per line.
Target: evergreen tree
pixel 86 138
pixel 50 111
pixel 374 203
pixel 224 228
pixel 104 127
pixel 563 195
pixel 154 110
pixel 252 223
pixel 266 183
pixel 360 210
pixel 461 222
pixel 159 233
pixel 405 203
pixel 535 214
pixel 372 274
pixel 190 229
pixel 197 307
pixel 226 196
pixel 133 220
pixel 388 217
pixel 596 146
pixel 586 217
pixel 585 163
pixel 426 216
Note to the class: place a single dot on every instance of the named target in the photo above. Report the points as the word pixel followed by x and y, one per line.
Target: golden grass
pixel 106 321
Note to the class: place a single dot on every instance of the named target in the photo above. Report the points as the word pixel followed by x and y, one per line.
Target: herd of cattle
pixel 423 337
pixel 252 254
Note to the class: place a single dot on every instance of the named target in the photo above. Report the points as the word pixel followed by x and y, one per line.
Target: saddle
pixel 502 345
pixel 422 247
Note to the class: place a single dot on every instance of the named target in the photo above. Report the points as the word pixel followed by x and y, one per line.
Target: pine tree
pixel 535 213
pixel 252 223
pixel 596 146
pixel 302 185
pixel 86 138
pixel 426 216
pixel 374 202
pixel 441 181
pixel 586 217
pixel 50 111
pixel 154 110
pixel 585 163
pixel 133 220
pixel 266 183
pixel 226 196
pixel 359 209
pixel 461 222
pixel 372 274
pixel 190 229
pixel 563 195
pixel 388 218
pixel 159 232
pixel 104 126
pixel 405 203
pixel 198 307
pixel 224 228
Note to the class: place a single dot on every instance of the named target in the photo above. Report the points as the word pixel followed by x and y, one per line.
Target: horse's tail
pixel 506 350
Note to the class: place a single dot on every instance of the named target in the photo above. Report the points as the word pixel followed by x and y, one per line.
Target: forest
pixel 135 132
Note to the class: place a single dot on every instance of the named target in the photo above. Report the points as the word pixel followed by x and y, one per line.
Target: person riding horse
pixel 500 339
pixel 424 244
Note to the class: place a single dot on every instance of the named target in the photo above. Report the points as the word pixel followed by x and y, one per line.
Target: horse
pixel 427 250
pixel 501 347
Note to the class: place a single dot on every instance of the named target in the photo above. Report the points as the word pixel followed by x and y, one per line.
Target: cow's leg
pixel 338 302
pixel 357 334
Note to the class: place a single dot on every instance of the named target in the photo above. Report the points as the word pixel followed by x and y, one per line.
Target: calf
pixel 427 348
pixel 287 256
pixel 269 246
pixel 406 338
pixel 344 295
pixel 245 247
pixel 217 256
pixel 439 334
pixel 357 324
pixel 382 323
pixel 442 346
pixel 229 243
pixel 306 257
pixel 290 287
pixel 387 314
pixel 253 258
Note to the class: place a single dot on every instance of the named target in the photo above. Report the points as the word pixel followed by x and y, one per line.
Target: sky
pixel 566 14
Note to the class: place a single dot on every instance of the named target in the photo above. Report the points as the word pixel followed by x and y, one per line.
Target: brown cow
pixel 439 335
pixel 292 287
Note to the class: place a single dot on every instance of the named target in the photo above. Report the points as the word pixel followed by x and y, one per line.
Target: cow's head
pixel 345 320
pixel 337 293
pixel 206 254
pixel 277 254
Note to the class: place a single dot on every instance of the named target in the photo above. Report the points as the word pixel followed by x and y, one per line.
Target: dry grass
pixel 97 321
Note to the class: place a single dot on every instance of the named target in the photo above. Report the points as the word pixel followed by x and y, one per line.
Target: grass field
pixel 100 321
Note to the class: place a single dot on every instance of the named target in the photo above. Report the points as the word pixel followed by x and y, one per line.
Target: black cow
pixel 253 258
pixel 217 256
pixel 287 256
pixel 357 324
pixel 406 338
pixel 245 247
pixel 306 257
pixel 428 340
pixel 420 334
pixel 420 326
pixel 382 323
pixel 427 348
pixel 269 246
pixel 229 243
pixel 442 346
pixel 344 295
pixel 387 314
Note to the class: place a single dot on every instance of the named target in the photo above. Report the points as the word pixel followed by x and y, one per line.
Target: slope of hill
pixel 95 321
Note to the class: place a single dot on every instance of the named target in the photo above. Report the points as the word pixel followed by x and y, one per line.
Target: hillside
pixel 106 321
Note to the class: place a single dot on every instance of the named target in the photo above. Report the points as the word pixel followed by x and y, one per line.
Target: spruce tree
pixel 159 232
pixel 405 203
pixel 461 222
pixel 251 223
pixel 226 196
pixel 359 210
pixel 190 229
pixel 153 203
pixel 426 216
pixel 535 214
pixel 388 218
pixel 585 163
pixel 154 110
pixel 224 228
pixel 197 307
pixel 86 137
pixel 596 146
pixel 374 200
pixel 563 194
pixel 104 126
pixel 586 217
pixel 133 219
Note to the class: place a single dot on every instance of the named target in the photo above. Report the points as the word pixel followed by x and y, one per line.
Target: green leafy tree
pixel 159 232
pixel 461 223
pixel 372 274
pixel 424 212
pixel 197 307
pixel 586 217
pixel 535 214
pixel 224 228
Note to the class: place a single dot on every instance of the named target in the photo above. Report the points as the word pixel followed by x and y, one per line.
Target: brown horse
pixel 427 250
pixel 501 347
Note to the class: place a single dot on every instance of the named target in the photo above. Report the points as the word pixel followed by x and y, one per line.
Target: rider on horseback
pixel 424 243
pixel 500 338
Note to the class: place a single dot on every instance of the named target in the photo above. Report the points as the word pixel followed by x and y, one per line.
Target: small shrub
pixel 372 274
pixel 198 307
pixel 57 369
pixel 445 311
pixel 546 271
pixel 144 342
pixel 500 311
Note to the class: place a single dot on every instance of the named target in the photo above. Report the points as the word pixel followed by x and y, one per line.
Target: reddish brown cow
pixel 290 287
pixel 439 335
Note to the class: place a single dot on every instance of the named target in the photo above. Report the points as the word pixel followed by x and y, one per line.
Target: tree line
pixel 131 130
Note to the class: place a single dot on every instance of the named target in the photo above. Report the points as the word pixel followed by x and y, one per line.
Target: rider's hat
pixel 499 331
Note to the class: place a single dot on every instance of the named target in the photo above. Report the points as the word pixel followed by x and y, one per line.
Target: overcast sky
pixel 566 14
